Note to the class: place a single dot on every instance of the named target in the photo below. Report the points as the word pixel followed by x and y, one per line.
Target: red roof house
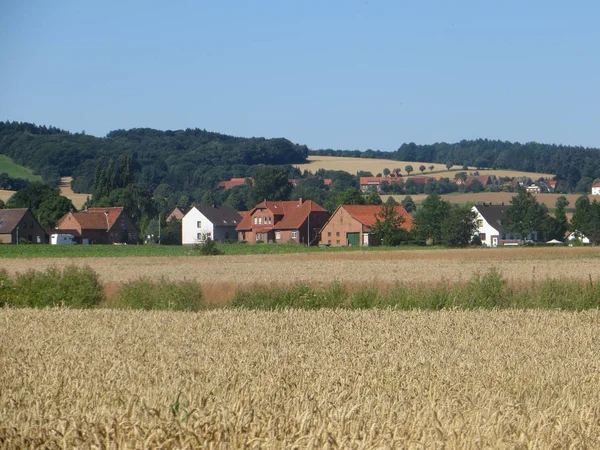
pixel 283 221
pixel 100 226
pixel 351 225
pixel 233 182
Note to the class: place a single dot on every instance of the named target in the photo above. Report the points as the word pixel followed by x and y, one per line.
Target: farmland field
pixel 353 165
pixel 14 170
pixel 65 189
pixel 299 379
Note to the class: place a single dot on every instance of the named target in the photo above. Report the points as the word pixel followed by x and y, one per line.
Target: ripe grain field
pixel 299 379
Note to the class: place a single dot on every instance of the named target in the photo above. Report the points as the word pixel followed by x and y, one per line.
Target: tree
pixel 373 199
pixel 461 176
pixel 386 172
pixel 431 167
pixel 408 204
pixel 561 216
pixel 459 227
pixel 388 226
pixel 271 183
pixel 449 164
pixel 391 201
pixel 524 215
pixel 44 201
pixel 351 196
pixel 429 219
pixel 422 168
pixel 476 186
pixel 408 168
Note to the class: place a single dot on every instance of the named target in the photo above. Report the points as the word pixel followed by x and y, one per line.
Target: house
pixel 370 183
pixel 534 189
pixel 176 214
pixel 233 182
pixel 283 221
pixel 19 224
pixel 111 225
pixel 351 225
pixel 209 222
pixel 596 189
pixel 490 226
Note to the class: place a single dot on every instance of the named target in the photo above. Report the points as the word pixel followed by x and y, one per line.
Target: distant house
pixel 375 183
pixel 99 226
pixel 490 226
pixel 19 224
pixel 596 189
pixel 351 225
pixel 233 182
pixel 577 236
pixel 176 214
pixel 534 189
pixel 209 222
pixel 283 221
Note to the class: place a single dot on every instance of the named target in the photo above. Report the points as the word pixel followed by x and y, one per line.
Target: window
pixel 260 220
pixel 277 235
pixel 479 223
pixel 329 234
pixel 199 236
pixel 198 224
pixel 226 235
pixel 337 233
pixel 329 241
pixel 337 242
pixel 294 234
pixel 482 236
pixel 255 220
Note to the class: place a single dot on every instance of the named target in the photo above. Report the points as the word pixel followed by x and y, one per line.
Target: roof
pixel 378 180
pixel 596 185
pixel 233 182
pixel 9 219
pixel 98 218
pixel 493 214
pixel 222 216
pixel 367 214
pixel 176 214
pixel 293 213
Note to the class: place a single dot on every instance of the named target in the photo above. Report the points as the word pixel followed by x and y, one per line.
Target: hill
pixel 13 170
pixel 353 165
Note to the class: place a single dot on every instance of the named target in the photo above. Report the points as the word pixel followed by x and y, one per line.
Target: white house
pixel 216 223
pixel 596 189
pixel 577 235
pixel 490 226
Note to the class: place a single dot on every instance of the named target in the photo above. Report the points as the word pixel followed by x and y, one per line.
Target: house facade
pixel 490 226
pixel 19 224
pixel 209 222
pixel 283 221
pixel 351 225
pixel 99 226
pixel 596 189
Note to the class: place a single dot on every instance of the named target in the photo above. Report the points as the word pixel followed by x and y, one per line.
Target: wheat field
pixel 297 379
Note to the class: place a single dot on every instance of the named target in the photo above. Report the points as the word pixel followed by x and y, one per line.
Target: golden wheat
pixel 295 379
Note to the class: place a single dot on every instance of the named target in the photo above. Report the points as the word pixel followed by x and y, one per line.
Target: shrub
pixel 6 287
pixel 160 295
pixel 73 286
pixel 208 248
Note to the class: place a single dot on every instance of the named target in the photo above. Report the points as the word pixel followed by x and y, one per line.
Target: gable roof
pixel 176 214
pixel 9 218
pixel 108 215
pixel 493 214
pixel 367 214
pixel 294 213
pixel 223 216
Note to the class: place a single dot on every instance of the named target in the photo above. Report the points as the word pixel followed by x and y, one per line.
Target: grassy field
pixel 299 379
pixel 14 170
pixel 353 165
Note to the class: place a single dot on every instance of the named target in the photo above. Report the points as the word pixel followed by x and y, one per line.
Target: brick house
pixel 284 221
pixel 19 223
pixel 351 225
pixel 176 214
pixel 99 226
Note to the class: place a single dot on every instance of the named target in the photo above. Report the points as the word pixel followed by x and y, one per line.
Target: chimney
pixel 300 201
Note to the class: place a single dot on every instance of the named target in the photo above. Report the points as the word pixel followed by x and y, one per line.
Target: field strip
pixel 519 265
pixel 241 379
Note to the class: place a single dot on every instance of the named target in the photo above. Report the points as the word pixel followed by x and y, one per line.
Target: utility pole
pixel 159 231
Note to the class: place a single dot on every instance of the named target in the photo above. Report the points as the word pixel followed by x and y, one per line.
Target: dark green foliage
pixel 459 227
pixel 160 295
pixel 350 196
pixel 73 286
pixel 373 198
pixel 44 201
pixel 388 226
pixel 271 183
pixel 408 204
pixel 524 215
pixel 207 248
pixel 586 218
pixel 429 219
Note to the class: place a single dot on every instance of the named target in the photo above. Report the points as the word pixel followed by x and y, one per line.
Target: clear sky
pixel 343 74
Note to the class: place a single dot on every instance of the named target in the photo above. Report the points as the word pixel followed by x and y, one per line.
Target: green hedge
pixel 160 295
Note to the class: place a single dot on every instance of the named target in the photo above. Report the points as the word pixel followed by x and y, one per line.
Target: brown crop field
pixel 494 197
pixel 299 379
pixel 65 189
pixel 353 165
pixel 5 195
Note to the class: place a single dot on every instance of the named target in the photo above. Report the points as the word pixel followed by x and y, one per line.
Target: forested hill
pixel 564 161
pixel 190 158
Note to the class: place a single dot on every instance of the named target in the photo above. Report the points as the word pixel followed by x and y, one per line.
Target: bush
pixel 160 295
pixel 207 248
pixel 73 286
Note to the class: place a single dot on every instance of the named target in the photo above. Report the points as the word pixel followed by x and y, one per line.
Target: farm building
pixel 99 226
pixel 204 222
pixel 176 214
pixel 17 225
pixel 283 221
pixel 351 225
pixel 490 226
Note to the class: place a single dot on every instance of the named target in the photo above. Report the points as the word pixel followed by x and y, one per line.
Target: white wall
pixel 190 229
pixel 596 191
pixel 485 228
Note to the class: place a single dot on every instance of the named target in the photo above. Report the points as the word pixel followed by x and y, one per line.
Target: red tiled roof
pixel 113 214
pixel 327 181
pixel 228 184
pixel 366 214
pixel 294 213
pixel 596 185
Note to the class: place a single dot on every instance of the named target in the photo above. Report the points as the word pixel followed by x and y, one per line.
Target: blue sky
pixel 344 74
